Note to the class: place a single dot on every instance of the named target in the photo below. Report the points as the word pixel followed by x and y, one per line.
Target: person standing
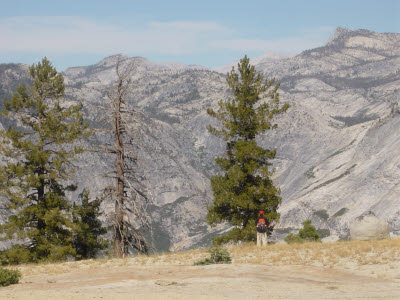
pixel 262 224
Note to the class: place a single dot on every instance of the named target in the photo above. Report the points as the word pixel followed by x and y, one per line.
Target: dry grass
pixel 163 259
pixel 379 258
pixel 323 254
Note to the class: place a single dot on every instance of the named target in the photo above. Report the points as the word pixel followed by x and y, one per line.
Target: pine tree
pixel 38 156
pixel 245 187
pixel 88 228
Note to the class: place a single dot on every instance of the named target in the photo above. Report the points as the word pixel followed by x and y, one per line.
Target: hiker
pixel 262 224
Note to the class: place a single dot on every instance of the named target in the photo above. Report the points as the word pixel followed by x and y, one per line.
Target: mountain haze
pixel 337 146
pixel 262 61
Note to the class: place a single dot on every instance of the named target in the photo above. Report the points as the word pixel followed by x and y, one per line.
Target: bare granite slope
pixel 337 146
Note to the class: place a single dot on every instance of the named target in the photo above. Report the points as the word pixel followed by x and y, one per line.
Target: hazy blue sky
pixel 208 32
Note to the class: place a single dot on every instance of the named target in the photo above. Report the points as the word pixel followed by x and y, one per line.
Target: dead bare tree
pixel 129 193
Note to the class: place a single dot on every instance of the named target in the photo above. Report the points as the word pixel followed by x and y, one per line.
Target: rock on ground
pixel 369 227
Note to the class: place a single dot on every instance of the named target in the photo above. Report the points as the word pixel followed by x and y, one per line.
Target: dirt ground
pixel 236 281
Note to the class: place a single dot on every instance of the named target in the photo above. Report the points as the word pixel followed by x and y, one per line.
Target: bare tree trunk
pixel 120 178
pixel 128 194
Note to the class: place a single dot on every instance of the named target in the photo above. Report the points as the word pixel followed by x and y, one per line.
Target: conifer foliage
pixel 38 152
pixel 88 228
pixel 245 187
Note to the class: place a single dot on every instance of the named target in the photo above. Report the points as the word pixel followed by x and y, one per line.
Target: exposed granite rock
pixel 337 146
pixel 369 227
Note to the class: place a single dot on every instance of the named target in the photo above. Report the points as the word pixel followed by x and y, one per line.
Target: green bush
pixel 217 256
pixel 17 254
pixel 236 235
pixel 88 230
pixel 307 234
pixel 8 277
pixel 247 234
pixel 293 238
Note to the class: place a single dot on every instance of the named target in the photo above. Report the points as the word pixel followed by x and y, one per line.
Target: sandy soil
pixel 236 281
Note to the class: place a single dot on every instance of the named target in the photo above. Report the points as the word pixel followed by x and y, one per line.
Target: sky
pixel 211 33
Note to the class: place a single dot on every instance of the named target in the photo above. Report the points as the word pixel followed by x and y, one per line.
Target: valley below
pixel 337 145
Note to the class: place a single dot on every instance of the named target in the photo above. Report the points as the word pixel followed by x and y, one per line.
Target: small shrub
pixel 293 238
pixel 8 277
pixel 247 234
pixel 217 256
pixel 17 254
pixel 307 234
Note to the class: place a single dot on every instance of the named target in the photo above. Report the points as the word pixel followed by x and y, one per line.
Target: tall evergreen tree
pixel 245 187
pixel 38 153
pixel 88 228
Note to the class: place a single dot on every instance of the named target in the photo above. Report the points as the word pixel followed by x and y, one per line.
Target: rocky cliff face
pixel 337 146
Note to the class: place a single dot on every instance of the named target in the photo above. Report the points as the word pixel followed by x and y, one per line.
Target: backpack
pixel 261 225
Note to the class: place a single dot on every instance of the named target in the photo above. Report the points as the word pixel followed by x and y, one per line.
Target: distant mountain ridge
pixel 337 146
pixel 261 61
pixel 109 62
